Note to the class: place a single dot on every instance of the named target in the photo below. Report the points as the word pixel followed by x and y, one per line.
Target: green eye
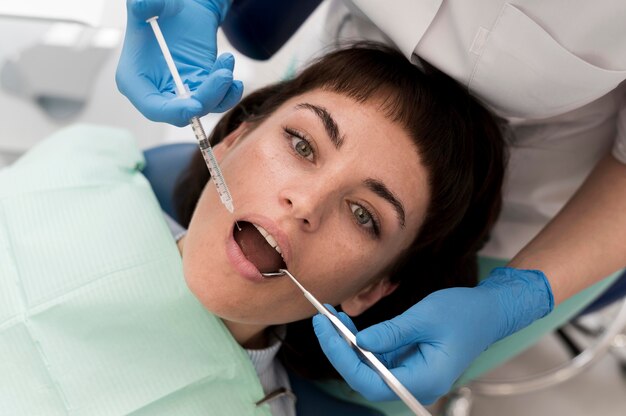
pixel 300 145
pixel 366 220
pixel 362 216
pixel 303 147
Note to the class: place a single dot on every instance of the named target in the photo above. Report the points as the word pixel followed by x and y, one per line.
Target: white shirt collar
pixel 404 21
pixel 262 359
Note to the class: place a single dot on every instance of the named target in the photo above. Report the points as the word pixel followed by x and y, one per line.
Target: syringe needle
pixel 198 130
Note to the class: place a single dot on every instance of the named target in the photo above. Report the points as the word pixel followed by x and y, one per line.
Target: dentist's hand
pixel 429 346
pixel 189 28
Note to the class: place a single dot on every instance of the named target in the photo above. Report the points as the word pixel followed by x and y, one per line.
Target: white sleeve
pixel 619 147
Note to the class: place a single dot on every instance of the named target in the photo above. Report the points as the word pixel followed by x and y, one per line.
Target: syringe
pixel 198 130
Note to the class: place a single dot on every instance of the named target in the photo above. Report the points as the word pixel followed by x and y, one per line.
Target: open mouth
pixel 259 247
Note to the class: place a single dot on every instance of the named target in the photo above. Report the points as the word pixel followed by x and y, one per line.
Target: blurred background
pixel 57 67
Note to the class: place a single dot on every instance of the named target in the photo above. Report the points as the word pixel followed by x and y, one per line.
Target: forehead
pixel 374 145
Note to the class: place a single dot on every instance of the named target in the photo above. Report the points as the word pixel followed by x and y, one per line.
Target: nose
pixel 307 203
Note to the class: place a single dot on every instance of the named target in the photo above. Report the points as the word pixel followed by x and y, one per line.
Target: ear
pixel 368 296
pixel 220 149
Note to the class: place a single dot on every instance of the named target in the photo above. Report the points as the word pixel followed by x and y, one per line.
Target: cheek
pixel 254 169
pixel 198 261
pixel 254 152
pixel 344 269
pixel 203 254
pixel 211 282
pixel 346 262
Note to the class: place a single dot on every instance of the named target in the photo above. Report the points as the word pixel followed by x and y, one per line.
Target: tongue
pixel 257 249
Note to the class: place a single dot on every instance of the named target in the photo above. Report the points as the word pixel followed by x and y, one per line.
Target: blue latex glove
pixel 430 345
pixel 189 28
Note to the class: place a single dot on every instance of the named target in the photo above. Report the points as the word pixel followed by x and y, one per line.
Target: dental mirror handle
pixel 391 380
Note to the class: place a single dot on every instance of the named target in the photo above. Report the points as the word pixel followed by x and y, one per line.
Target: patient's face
pixel 337 185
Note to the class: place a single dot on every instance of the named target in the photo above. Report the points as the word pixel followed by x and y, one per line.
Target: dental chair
pixel 165 163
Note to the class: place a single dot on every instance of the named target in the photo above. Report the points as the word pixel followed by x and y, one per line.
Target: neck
pixel 248 336
pixel 253 337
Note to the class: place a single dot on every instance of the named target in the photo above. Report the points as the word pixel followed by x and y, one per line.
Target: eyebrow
pixel 330 125
pixel 374 185
pixel 380 189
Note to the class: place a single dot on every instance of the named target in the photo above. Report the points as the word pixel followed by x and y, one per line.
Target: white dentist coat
pixel 554 69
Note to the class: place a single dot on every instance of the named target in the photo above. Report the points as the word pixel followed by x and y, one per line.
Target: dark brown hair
pixel 459 142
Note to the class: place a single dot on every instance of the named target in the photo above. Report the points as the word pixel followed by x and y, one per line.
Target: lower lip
pixel 239 261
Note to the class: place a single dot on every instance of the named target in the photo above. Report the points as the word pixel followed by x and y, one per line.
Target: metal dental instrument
pixel 198 130
pixel 391 380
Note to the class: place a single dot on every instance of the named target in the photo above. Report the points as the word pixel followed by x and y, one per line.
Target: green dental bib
pixel 95 316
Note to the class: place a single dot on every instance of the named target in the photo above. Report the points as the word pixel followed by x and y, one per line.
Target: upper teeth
pixel 268 237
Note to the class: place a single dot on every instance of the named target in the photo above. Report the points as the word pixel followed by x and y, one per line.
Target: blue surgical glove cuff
pixel 524 296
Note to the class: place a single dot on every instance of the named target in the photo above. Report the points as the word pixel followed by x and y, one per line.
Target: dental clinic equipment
pixel 393 383
pixel 198 130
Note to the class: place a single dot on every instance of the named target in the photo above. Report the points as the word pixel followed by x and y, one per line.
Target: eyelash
pixel 291 133
pixel 373 231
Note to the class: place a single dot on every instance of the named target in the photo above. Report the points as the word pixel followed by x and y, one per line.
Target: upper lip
pixel 275 231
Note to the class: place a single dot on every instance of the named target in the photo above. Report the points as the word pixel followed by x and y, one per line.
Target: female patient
pixel 353 175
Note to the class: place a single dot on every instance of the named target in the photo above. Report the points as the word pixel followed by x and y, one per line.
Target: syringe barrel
pixel 211 162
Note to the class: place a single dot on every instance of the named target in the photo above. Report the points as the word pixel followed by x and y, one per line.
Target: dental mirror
pixel 393 383
pixel 273 274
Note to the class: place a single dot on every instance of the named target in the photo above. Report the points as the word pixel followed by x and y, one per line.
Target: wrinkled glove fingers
pixel 346 361
pixel 158 106
pixel 408 328
pixel 224 61
pixel 176 111
pixel 212 91
pixel 424 380
pixel 231 99
pixel 343 317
